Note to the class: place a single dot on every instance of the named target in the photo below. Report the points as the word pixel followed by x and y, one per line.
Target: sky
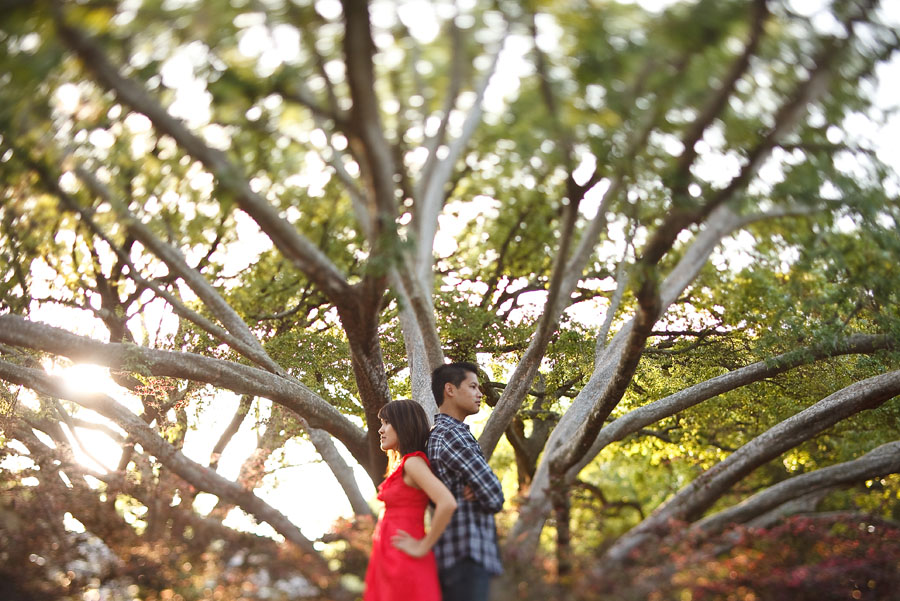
pixel 287 489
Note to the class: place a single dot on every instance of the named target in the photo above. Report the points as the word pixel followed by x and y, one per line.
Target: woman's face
pixel 388 436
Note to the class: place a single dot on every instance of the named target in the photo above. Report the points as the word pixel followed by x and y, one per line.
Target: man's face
pixel 467 396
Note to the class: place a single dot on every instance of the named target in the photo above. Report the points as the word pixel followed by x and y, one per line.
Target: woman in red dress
pixel 402 566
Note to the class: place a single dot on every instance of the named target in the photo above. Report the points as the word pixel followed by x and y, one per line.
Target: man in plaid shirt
pixel 467 552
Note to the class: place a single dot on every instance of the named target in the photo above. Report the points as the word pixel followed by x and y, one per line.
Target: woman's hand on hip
pixel 414 547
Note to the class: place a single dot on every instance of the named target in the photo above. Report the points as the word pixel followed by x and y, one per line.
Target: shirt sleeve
pixel 465 457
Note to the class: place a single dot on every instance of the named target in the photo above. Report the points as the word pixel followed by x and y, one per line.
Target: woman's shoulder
pixel 416 457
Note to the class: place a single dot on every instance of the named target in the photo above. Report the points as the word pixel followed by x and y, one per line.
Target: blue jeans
pixel 466 580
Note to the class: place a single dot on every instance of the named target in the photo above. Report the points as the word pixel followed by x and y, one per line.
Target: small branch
pixel 233 426
pixel 174 260
pixel 614 303
pixel 718 101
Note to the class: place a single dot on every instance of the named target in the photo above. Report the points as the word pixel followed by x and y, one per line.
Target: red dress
pixel 392 574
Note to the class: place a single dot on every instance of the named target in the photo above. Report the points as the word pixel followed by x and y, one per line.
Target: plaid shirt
pixel 457 461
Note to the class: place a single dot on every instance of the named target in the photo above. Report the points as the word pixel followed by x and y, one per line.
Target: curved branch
pixel 879 462
pixel 309 259
pixel 140 432
pixel 689 503
pixel 242 379
pixel 431 200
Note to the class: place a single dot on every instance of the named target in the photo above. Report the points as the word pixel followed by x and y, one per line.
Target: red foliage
pixel 811 558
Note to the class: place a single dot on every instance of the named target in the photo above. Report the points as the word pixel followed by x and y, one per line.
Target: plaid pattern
pixel 457 461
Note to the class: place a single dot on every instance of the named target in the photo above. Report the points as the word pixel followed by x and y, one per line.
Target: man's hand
pixel 468 493
pixel 413 547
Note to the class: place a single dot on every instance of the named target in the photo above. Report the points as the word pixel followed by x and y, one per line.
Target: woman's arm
pixel 444 505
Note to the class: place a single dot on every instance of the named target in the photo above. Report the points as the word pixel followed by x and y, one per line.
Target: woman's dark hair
pixel 453 373
pixel 411 425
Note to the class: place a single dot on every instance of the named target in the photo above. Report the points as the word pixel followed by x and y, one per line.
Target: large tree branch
pixel 309 259
pixel 423 346
pixel 242 379
pixel 632 338
pixel 685 213
pixel 795 107
pixel 512 399
pixel 341 470
pixel 431 200
pixel 580 425
pixel 450 98
pixel 140 432
pixel 639 418
pixel 879 462
pixel 368 140
pixel 417 299
pixel 566 275
pixel 689 503
pixel 558 296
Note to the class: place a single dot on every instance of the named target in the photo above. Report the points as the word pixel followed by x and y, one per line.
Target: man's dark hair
pixel 454 373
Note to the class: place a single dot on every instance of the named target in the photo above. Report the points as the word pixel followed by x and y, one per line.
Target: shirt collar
pixel 452 421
